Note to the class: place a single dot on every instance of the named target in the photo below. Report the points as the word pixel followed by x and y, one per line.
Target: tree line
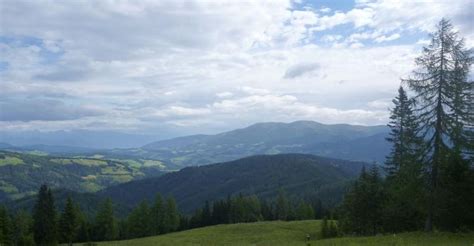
pixel 429 181
pixel 47 226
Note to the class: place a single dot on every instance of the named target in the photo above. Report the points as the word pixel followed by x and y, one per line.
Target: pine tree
pixel 44 217
pixel 282 206
pixel 304 211
pixel 362 208
pixel 157 216
pixel 404 168
pixel 68 223
pixel 139 222
pixel 106 227
pixel 444 99
pixel 403 136
pixel 171 217
pixel 206 214
pixel 22 229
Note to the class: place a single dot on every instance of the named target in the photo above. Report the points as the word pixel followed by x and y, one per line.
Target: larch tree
pixel 443 96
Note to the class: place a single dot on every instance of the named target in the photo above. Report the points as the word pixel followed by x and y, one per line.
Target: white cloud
pixel 207 63
pixel 384 38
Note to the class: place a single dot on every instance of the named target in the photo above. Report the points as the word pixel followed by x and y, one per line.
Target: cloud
pixel 207 66
pixel 299 70
pixel 44 110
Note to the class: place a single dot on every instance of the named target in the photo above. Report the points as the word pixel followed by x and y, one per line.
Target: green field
pixel 289 233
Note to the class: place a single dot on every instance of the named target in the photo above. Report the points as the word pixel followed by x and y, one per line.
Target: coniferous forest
pixel 425 184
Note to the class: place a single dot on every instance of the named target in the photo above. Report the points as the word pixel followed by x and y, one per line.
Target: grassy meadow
pixel 289 233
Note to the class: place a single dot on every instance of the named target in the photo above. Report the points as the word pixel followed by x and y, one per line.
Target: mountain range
pixel 342 141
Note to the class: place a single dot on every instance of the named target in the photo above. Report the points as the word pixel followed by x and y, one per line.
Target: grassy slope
pixel 288 233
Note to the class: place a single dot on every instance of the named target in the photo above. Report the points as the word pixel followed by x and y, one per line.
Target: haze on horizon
pixel 171 68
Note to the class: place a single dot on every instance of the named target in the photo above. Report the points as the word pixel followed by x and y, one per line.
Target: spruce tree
pixel 282 206
pixel 171 217
pixel 206 214
pixel 44 217
pixel 22 229
pixel 68 223
pixel 406 144
pixel 157 216
pixel 444 99
pixel 106 227
pixel 139 221
pixel 404 182
pixel 362 208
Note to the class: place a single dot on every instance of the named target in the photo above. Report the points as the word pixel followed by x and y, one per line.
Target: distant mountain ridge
pixel 343 141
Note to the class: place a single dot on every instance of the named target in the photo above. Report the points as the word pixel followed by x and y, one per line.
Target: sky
pixel 173 68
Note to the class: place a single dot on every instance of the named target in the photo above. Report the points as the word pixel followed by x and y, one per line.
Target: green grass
pixel 11 160
pixel 289 233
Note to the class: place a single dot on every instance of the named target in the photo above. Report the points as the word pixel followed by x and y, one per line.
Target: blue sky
pixel 180 67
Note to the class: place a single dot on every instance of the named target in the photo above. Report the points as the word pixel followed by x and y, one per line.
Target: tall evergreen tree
pixel 363 205
pixel 157 214
pixel 171 217
pixel 282 206
pixel 206 214
pixel 403 135
pixel 404 168
pixel 22 229
pixel 106 227
pixel 68 223
pixel 139 221
pixel 44 217
pixel 443 97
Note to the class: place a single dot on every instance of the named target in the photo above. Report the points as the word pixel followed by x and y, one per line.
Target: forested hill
pixel 21 174
pixel 299 175
pixel 342 141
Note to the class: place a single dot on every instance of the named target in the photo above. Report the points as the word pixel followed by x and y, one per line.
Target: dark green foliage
pixel 300 175
pixel 171 216
pixel 221 211
pixel 206 217
pixel 404 182
pixel 157 214
pixel 105 227
pixel 5 227
pixel 68 223
pixel 139 222
pixel 362 209
pixel 282 209
pixel 44 217
pixel 22 229
pixel 456 199
pixel 304 211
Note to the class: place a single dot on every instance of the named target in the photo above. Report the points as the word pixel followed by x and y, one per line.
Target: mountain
pixel 299 175
pixel 22 174
pixel 76 138
pixel 352 142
